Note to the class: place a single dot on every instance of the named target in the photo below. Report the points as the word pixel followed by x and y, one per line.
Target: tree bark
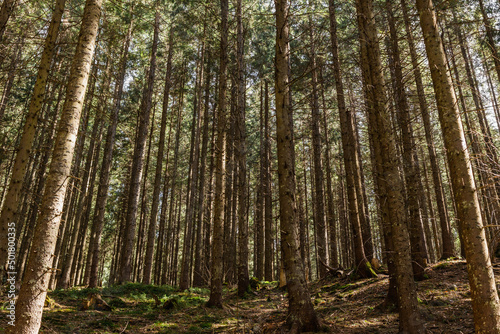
pixel 330 213
pixel 241 152
pixel 102 191
pixel 194 176
pixel 5 12
pixel 220 169
pixel 9 208
pixel 490 37
pixel 351 160
pixel 31 299
pixel 268 194
pixel 15 59
pixel 319 188
pixel 259 205
pixel 446 238
pixel 485 301
pixel 201 205
pixel 148 259
pixel 302 316
pixel 385 153
pixel 418 250
pixel 138 162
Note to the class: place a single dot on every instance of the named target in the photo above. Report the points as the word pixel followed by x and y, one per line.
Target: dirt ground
pixel 345 306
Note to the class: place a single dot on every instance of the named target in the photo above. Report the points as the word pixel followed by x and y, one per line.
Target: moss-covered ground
pixel 345 305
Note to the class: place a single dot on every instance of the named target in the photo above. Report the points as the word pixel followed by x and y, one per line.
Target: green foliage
pixel 138 290
pixel 200 291
pixel 184 300
pixel 74 293
pixel 117 303
pixel 442 265
pixel 194 329
pixel 254 283
pixel 370 268
pixel 105 323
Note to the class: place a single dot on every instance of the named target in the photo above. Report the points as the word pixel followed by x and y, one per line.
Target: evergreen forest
pixel 250 166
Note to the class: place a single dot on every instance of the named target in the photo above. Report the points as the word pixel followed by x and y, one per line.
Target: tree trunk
pixel 351 161
pixel 259 205
pixel 268 194
pixel 163 232
pixel 490 37
pixel 227 248
pixel 143 215
pixel 5 13
pixel 138 162
pixel 330 213
pixel 148 259
pixel 201 205
pixel 220 170
pixel 485 302
pixel 418 250
pixel 102 191
pixel 302 316
pixel 15 60
pixel 241 152
pixel 173 179
pixel 194 176
pixel 68 259
pixel 391 195
pixel 319 188
pixel 31 299
pixel 9 208
pixel 446 238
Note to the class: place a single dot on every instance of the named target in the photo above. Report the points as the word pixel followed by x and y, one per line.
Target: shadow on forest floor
pixel 345 307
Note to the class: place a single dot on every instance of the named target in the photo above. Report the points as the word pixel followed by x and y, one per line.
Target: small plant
pixel 255 283
pixel 200 291
pixel 206 325
pixel 194 329
pixel 442 265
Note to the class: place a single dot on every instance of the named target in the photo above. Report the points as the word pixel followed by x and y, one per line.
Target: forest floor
pixel 344 305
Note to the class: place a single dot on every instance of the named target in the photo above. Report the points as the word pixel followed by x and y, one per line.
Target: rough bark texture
pixel 199 265
pixel 485 301
pixel 241 152
pixel 268 194
pixel 351 160
pixel 330 212
pixel 319 187
pixel 31 299
pixel 102 191
pixel 148 259
pixel 259 205
pixel 418 249
pixel 15 60
pixel 185 279
pixel 9 209
pixel 446 238
pixel 385 153
pixel 302 316
pixel 490 37
pixel 220 167
pixel 138 163
pixel 5 13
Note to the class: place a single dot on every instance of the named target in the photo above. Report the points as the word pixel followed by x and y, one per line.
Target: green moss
pixel 255 283
pixel 195 329
pixel 442 265
pixel 370 269
pixel 117 303
pixel 105 323
pixel 206 325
